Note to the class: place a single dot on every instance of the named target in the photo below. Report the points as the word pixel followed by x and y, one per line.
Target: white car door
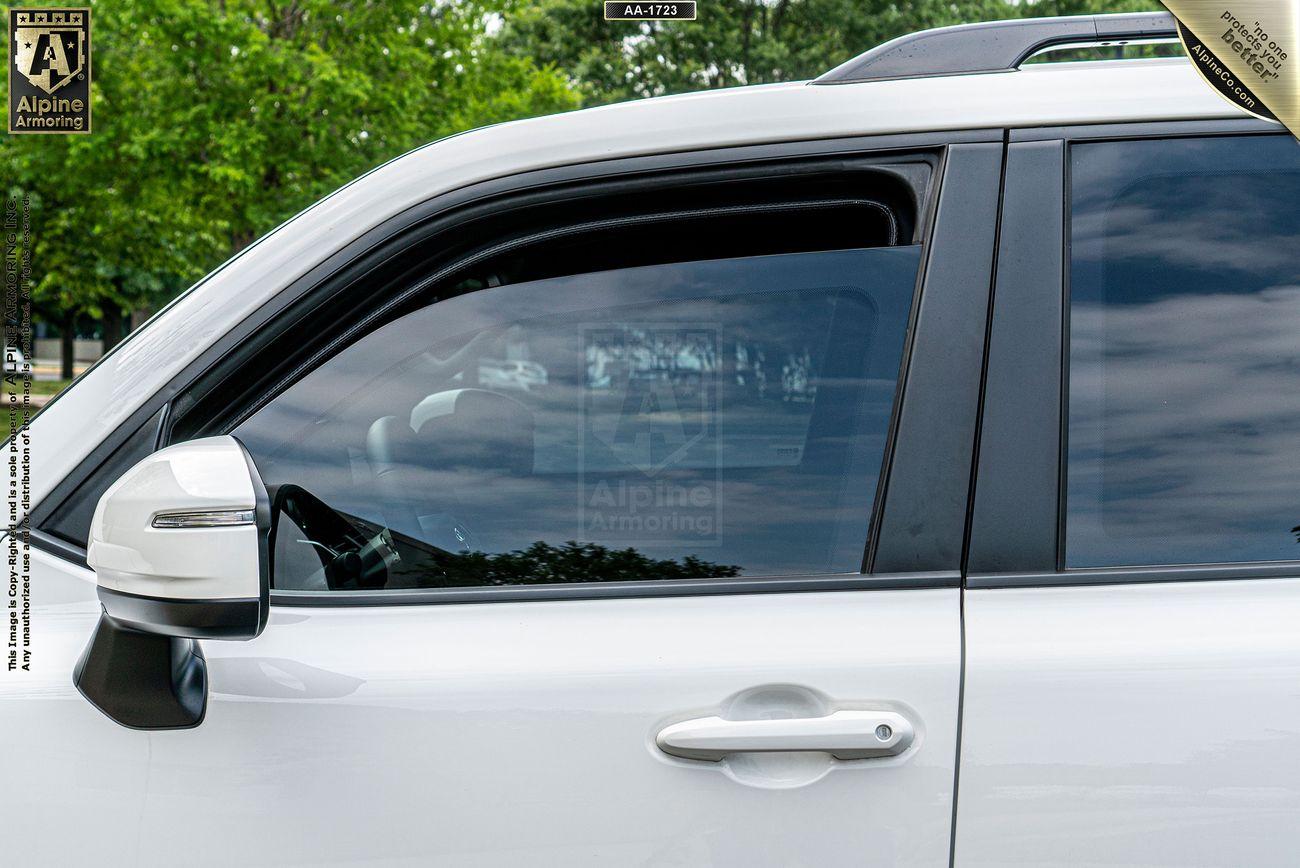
pixel 1132 654
pixel 720 671
pixel 500 734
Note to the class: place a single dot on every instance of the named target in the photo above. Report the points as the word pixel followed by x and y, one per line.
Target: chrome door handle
pixel 842 734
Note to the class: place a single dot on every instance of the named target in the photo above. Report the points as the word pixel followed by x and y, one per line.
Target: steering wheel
pixel 350 560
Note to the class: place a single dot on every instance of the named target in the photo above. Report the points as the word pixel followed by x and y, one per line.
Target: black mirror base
pixel 142 680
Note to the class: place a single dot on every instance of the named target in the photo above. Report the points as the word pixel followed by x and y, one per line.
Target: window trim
pixel 351 255
pixel 703 585
pixel 1135 575
pixel 928 476
pixel 882 148
pixel 1013 515
pixel 1148 130
pixel 623 590
pixel 1027 564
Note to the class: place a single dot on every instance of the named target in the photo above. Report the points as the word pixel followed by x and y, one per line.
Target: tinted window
pixel 702 419
pixel 1184 383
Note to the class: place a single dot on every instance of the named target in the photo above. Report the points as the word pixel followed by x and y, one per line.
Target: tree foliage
pixel 740 42
pixel 215 120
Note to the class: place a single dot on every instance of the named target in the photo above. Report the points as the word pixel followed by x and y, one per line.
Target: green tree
pixel 215 120
pixel 739 42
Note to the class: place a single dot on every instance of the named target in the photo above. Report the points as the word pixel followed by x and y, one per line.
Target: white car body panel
pixel 1041 95
pixel 1132 725
pixel 1109 725
pixel 498 734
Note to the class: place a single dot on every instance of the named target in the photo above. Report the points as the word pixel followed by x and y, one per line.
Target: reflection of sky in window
pixel 1184 387
pixel 797 357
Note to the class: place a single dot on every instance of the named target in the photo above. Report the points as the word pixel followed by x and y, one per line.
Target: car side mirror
pixel 180 549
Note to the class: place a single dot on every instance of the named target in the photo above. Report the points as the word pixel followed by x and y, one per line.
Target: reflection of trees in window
pixel 798 373
pixel 622 353
pixel 420 565
pixel 796 377
pixel 542 564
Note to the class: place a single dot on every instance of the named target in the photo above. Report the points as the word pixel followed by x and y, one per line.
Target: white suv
pixel 905 474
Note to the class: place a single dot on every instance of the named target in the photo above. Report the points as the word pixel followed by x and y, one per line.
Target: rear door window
pixel 1184 352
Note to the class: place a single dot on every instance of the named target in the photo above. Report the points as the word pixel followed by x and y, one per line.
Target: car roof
pixel 1035 95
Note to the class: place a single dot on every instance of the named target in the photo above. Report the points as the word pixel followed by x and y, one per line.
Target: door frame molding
pixel 1018 513
pixel 925 477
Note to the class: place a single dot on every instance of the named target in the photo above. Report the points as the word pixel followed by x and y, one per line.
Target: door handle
pixel 844 735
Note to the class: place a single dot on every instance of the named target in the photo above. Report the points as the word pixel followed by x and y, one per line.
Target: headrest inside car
pixel 474 428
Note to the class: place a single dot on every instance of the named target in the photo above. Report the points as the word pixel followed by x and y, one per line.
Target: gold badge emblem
pixel 1245 50
pixel 49 70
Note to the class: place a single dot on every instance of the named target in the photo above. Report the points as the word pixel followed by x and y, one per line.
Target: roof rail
pixel 992 46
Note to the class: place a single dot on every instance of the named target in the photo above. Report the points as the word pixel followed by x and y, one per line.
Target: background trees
pixel 215 120
pixel 739 42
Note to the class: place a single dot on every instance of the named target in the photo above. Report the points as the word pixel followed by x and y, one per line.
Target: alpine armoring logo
pixel 49 70
pixel 649 453
pixel 1238 40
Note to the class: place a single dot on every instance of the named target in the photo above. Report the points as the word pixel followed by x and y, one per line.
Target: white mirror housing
pixel 178 546
pixel 180 549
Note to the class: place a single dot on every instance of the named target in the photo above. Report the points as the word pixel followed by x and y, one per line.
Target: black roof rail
pixel 992 46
